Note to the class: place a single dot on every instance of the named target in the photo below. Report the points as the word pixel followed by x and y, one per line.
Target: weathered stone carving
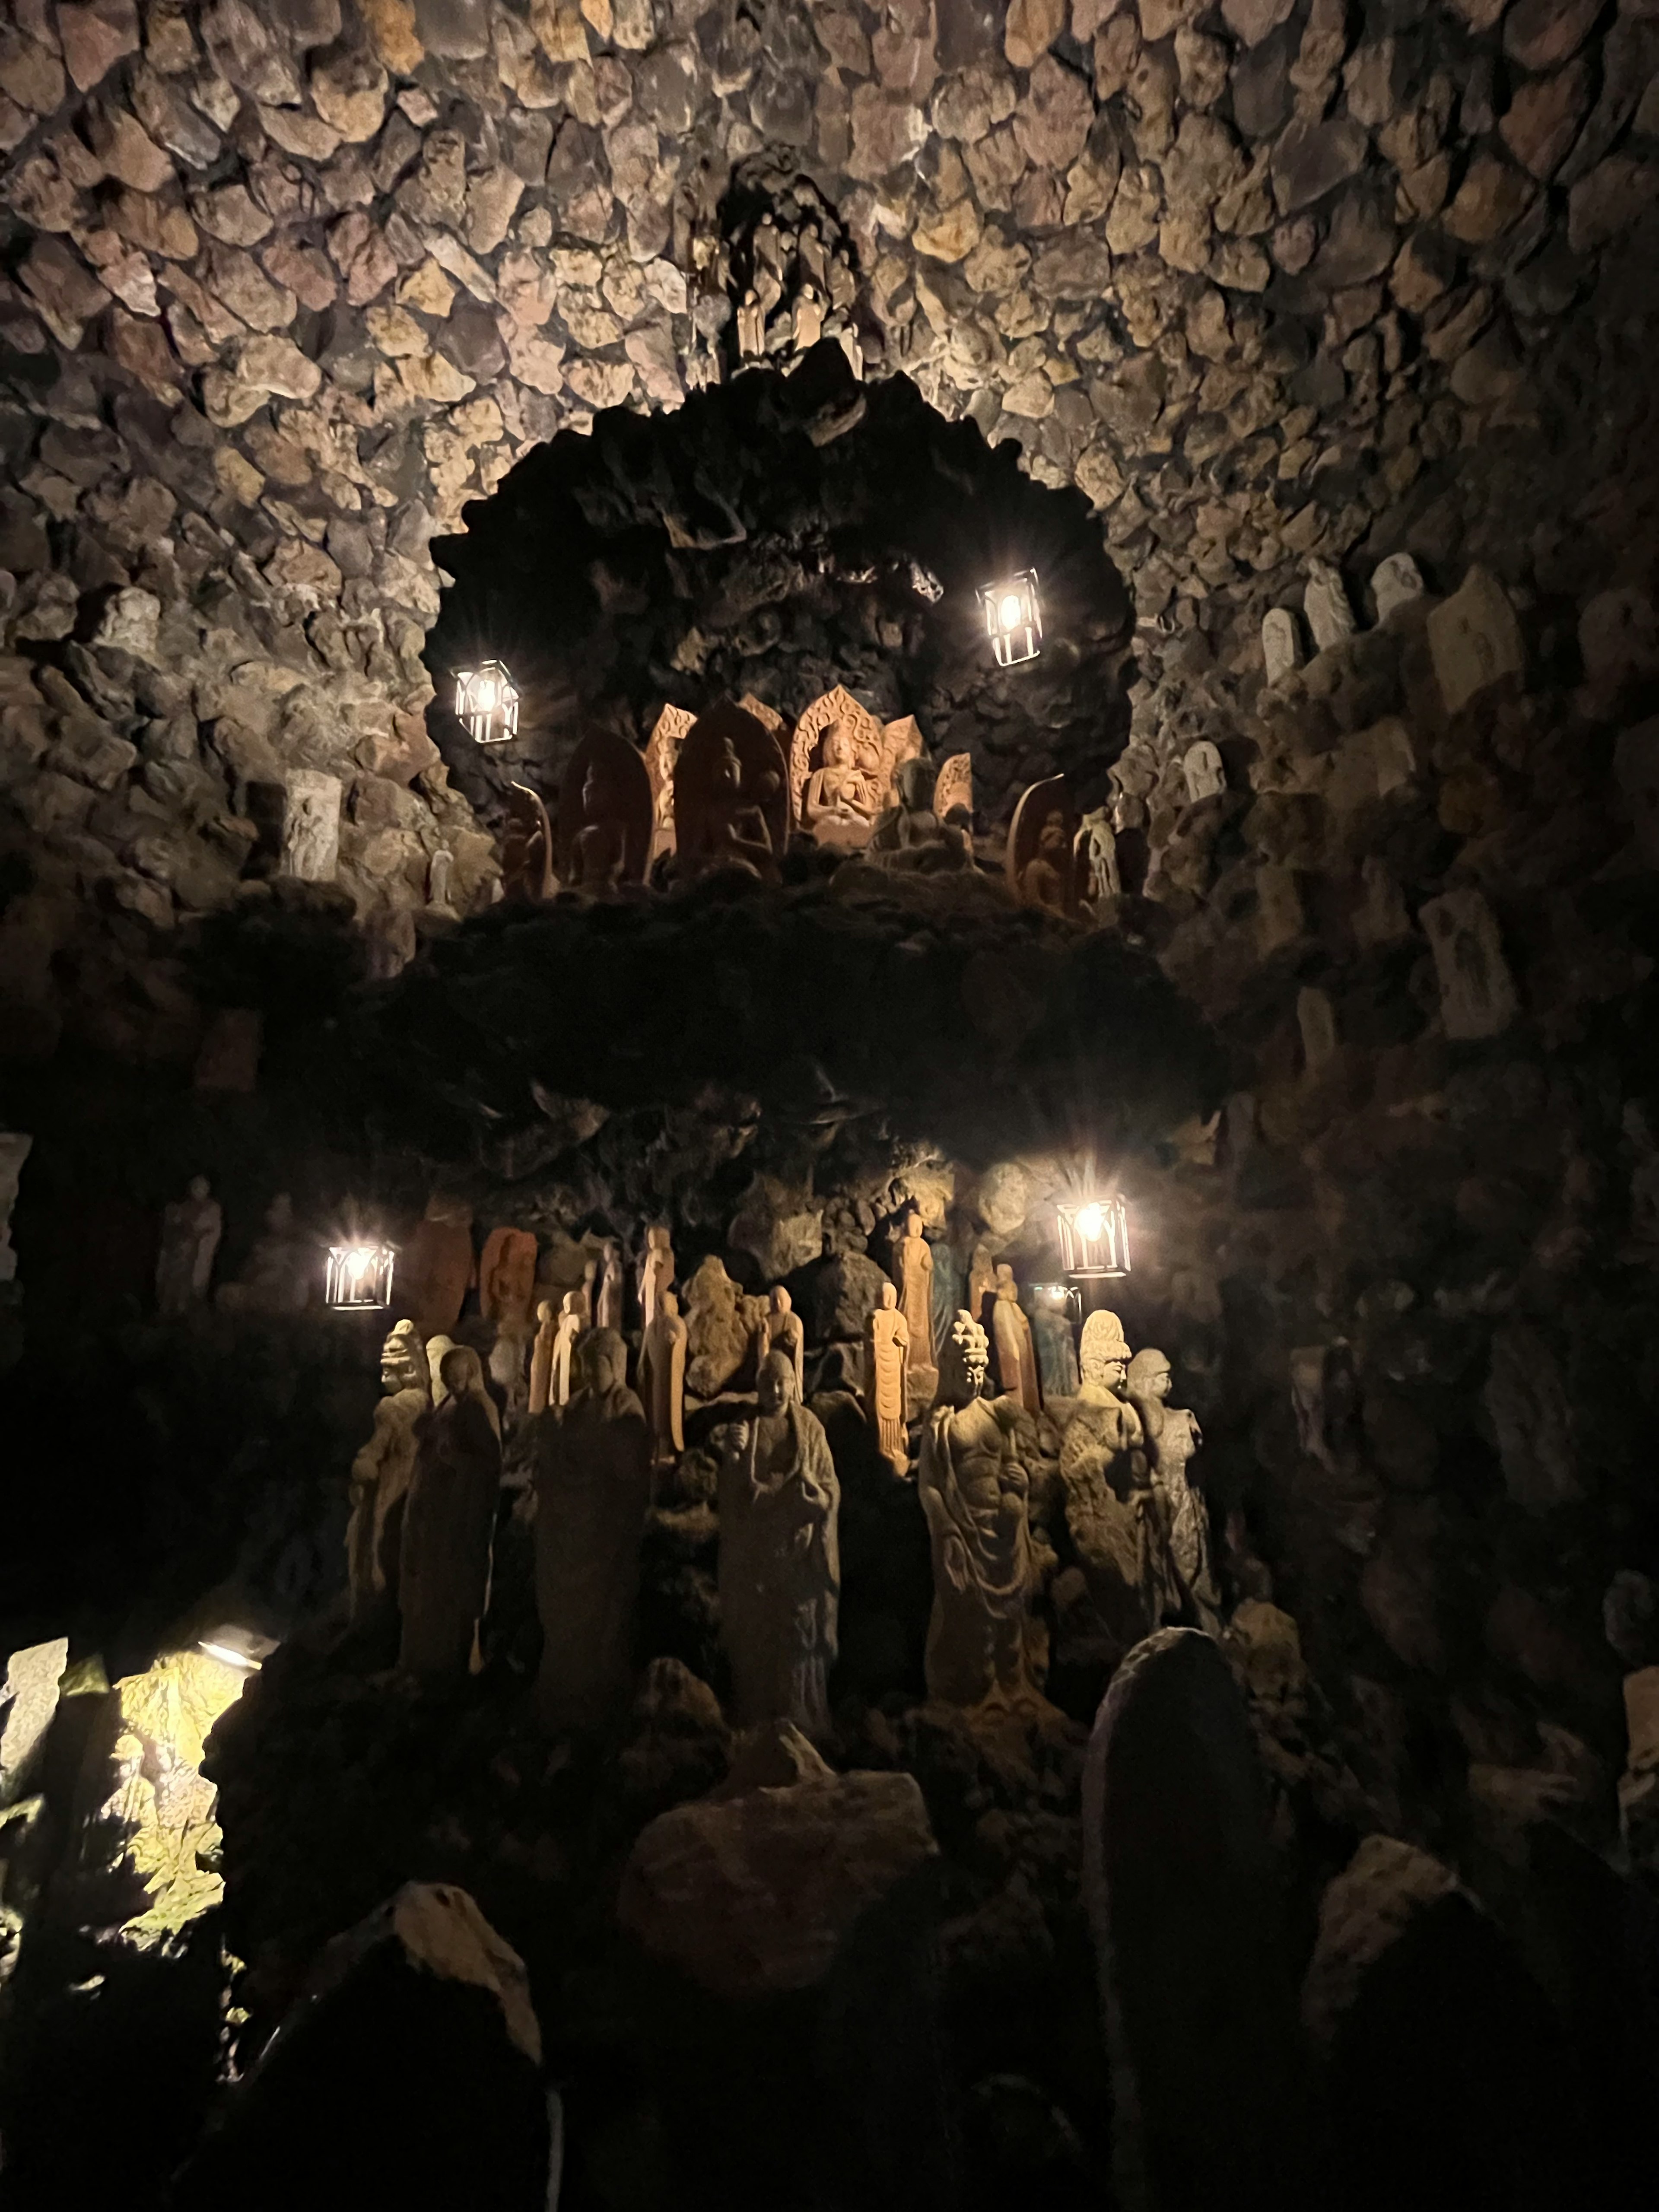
pixel 1396 582
pixel 843 764
pixel 1477 992
pixel 1040 839
pixel 721 1330
pixel 1114 1514
pixel 449 1524
pixel 1325 602
pixel 606 815
pixel 780 1331
pixel 974 1493
pixel 886 1375
pixel 281 1271
pixel 1094 860
pixel 436 1269
pixel 311 826
pixel 662 750
pixel 1202 772
pixel 1281 644
pixel 553 1361
pixel 507 1276
pixel 913 1271
pixel 1056 1346
pixel 592 1492
pixel 1475 639
pixel 1016 1354
pixel 383 1470
pixel 191 1229
pixel 656 1271
pixel 1172 1436
pixel 779 1558
pixel 526 847
pixel 731 795
pixel 662 1378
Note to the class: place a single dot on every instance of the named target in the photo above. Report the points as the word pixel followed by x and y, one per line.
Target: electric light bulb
pixel 487 697
pixel 1090 1222
pixel 1010 611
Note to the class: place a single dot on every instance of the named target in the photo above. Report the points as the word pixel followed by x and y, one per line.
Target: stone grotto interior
pixel 855 809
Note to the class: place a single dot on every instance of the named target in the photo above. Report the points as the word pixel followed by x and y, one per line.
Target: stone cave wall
pixel 285 288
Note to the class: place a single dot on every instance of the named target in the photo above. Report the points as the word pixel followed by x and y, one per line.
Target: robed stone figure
pixel 382 1472
pixel 973 1491
pixel 592 1492
pixel 449 1524
pixel 779 1558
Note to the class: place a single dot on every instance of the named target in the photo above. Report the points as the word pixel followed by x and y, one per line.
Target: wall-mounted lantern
pixel 1094 1239
pixel 1059 1298
pixel 1013 618
pixel 359 1276
pixel 487 700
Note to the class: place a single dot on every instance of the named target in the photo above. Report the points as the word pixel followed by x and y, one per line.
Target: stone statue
pixel 751 328
pixel 1325 602
pixel 810 310
pixel 609 1297
pixel 514 1337
pixel 279 1274
pixel 311 826
pixel 526 847
pixel 191 1229
pixel 1172 1436
pixel 662 1379
pixel 1203 772
pixel 1042 879
pixel 438 1349
pixel 437 1269
pixel 541 1356
pixel 973 1492
pixel 779 1558
pixel 886 1379
pixel 438 872
pixel 606 815
pixel 449 1525
pixel 1281 644
pixel 914 1272
pixel 592 1493
pixel 840 799
pixel 383 1470
pixel 1114 1514
pixel 507 1276
pixel 981 1285
pixel 1095 858
pixel 1395 582
pixel 1056 1348
pixel 1017 1368
pixel 780 1331
pixel 590 1291
pixel 656 1272
pixel 569 1331
pixel 739 833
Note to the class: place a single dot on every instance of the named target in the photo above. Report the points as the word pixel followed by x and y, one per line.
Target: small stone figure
pixel 1395 582
pixel 780 1331
pixel 311 826
pixel 914 1272
pixel 779 1558
pixel 438 872
pixel 1114 1514
pixel 438 1349
pixel 191 1229
pixel 1017 1368
pixel 567 1333
pixel 526 847
pixel 662 1379
pixel 1172 1436
pixel 656 1272
pixel 841 800
pixel 507 1276
pixel 843 284
pixel 814 256
pixel 592 1493
pixel 886 1379
pixel 974 1493
pixel 608 1297
pixel 1281 644
pixel 1325 602
pixel 1095 858
pixel 383 1470
pixel 590 1292
pixel 449 1525
pixel 541 1356
pixel 1042 879
pixel 751 328
pixel 981 1285
pixel 1203 772
pixel 278 1275
pixel 808 318
pixel 508 1356
pixel 1056 1347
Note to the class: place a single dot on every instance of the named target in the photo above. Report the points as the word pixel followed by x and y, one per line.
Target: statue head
pixel 545 1310
pixel 657 1239
pixel 437 1350
pixel 669 1304
pixel 1150 1375
pixel 774 1385
pixel 914 780
pixel 837 741
pixel 888 1296
pixel 603 1359
pixel 1007 1287
pixel 572 1302
pixel 913 1220
pixel 781 1302
pixel 964 1362
pixel 199 1188
pixel 1104 1355
pixel 1051 841
pixel 461 1372
pixel 402 1360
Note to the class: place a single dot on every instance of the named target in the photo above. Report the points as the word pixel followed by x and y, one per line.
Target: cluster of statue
pixel 789 276
pixel 426 1487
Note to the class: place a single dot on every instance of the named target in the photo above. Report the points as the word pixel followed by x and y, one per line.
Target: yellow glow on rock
pixel 161 1805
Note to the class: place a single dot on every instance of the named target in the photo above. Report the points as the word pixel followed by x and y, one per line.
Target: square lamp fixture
pixel 1094 1239
pixel 1013 618
pixel 487 700
pixel 1059 1298
pixel 359 1276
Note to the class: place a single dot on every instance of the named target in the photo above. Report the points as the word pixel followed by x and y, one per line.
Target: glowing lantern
pixel 487 700
pixel 359 1276
pixel 1060 1297
pixel 1013 618
pixel 1094 1239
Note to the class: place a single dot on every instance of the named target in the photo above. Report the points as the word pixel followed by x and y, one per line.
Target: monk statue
pixel 1017 1368
pixel 1172 1436
pixel 780 1331
pixel 541 1356
pixel 656 1272
pixel 191 1229
pixel 913 1270
pixel 662 1379
pixel 592 1493
pixel 449 1526
pixel 738 835
pixel 608 1298
pixel 886 1379
pixel 572 1327
pixel 779 1557
pixel 601 844
pixel 1114 1514
pixel 840 795
pixel 1042 879
pixel 382 1472
pixel 973 1490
